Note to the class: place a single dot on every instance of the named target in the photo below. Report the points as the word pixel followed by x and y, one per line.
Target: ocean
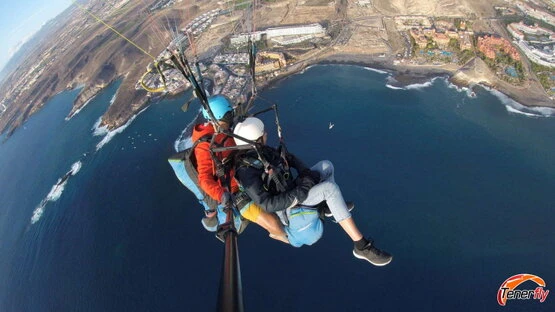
pixel 457 184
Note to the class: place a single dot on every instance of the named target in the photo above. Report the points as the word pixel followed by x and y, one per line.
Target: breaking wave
pixel 513 107
pixel 109 135
pixel 87 103
pixel 393 87
pixel 379 71
pixel 418 86
pixel 468 90
pixel 55 192
pixel 79 110
pixel 307 68
pixel 414 86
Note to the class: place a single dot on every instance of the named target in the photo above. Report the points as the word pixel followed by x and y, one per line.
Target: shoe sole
pixel 376 264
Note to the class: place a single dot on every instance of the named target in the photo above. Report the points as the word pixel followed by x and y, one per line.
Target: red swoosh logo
pixel 512 282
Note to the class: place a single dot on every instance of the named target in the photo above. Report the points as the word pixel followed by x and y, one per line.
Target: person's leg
pixel 351 229
pixel 325 168
pixel 329 191
pixel 269 221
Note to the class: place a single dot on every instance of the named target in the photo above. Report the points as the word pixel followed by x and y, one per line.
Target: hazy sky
pixel 20 19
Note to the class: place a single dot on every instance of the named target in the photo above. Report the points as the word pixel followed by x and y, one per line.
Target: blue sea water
pixel 457 188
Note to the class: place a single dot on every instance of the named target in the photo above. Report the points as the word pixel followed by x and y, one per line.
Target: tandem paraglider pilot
pixel 210 166
pixel 264 174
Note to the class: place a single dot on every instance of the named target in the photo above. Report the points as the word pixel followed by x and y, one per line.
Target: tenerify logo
pixel 507 290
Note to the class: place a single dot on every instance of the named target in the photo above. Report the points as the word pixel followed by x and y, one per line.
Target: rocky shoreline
pixel 472 74
pixel 403 75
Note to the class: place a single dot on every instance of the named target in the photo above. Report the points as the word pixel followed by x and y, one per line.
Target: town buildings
pixel 537 43
pixel 491 45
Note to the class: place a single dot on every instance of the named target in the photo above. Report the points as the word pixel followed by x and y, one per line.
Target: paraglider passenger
pixel 207 175
pixel 269 183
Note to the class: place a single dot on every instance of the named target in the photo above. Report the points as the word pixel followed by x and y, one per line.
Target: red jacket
pixel 207 179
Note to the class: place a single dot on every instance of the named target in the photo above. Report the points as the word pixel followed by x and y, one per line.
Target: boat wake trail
pixel 56 191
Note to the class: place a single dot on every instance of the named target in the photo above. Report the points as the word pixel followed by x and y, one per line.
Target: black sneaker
pixel 327 211
pixel 373 255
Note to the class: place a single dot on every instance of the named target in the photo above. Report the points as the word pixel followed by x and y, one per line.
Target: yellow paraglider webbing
pixel 153 90
pixel 112 29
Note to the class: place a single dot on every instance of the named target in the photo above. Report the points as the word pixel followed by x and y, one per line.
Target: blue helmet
pixel 219 105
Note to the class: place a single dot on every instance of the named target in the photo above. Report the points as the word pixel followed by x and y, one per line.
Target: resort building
pixel 539 34
pixel 269 61
pixel 419 37
pixel 545 56
pixel 490 46
pixel 441 39
pixel 423 36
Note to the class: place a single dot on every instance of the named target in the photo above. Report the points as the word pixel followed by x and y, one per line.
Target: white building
pixel 308 31
pixel 539 14
pixel 544 57
pixel 312 29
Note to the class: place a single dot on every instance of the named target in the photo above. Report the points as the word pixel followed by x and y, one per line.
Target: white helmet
pixel 251 129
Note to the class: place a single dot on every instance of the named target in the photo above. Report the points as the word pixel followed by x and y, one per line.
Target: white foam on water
pixel 76 167
pixel 514 107
pixel 516 111
pixel 113 99
pixel 419 86
pixel 80 109
pixel 97 129
pixel 468 90
pixel 393 87
pixel 307 68
pixel 390 81
pixel 56 191
pixel 109 135
pixel 415 86
pixel 451 85
pixel 184 140
pixel 87 103
pixel 379 71
pixel 37 213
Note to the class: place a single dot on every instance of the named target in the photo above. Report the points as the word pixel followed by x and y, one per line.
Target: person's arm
pixel 295 162
pixel 207 181
pixel 252 183
pixel 302 169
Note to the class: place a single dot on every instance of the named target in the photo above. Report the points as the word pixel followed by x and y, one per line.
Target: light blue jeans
pixel 327 190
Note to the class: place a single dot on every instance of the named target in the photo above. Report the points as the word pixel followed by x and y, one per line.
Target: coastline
pixel 467 76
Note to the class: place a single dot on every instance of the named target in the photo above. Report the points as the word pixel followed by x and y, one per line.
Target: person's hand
pixel 227 200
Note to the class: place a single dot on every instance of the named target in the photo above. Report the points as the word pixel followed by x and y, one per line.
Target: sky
pixel 20 19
